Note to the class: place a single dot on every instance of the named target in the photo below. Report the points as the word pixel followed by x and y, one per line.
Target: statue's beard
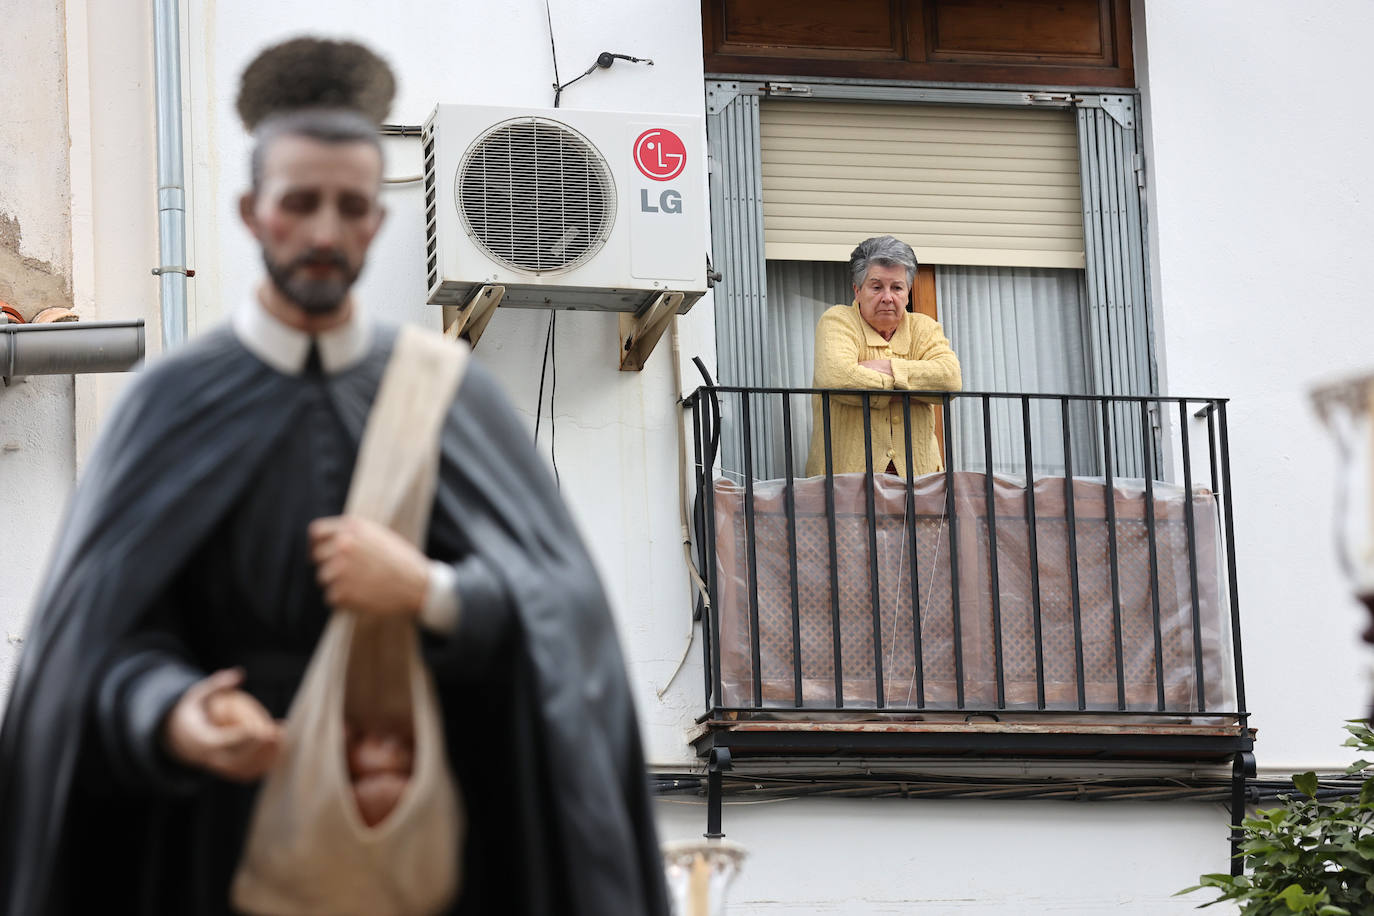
pixel 316 296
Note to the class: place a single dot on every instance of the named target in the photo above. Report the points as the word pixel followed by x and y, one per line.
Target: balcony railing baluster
pixel 1033 547
pixel 1212 445
pixel 1071 521
pixel 1113 559
pixel 790 500
pixel 834 553
pixel 873 592
pixel 751 547
pixel 1188 527
pixel 918 656
pixel 1147 454
pixel 951 522
pixel 994 583
pixel 1230 554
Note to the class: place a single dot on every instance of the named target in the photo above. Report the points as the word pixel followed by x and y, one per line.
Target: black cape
pixel 538 717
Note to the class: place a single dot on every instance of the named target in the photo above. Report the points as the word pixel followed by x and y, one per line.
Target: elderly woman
pixel 875 343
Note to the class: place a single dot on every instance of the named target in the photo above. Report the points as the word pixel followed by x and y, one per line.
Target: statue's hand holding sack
pixel 368 568
pixel 361 813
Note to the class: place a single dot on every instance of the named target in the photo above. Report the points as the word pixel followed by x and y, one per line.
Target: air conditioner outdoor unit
pixel 564 208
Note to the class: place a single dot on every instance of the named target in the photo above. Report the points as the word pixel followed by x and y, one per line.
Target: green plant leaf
pixel 1307 855
pixel 1298 900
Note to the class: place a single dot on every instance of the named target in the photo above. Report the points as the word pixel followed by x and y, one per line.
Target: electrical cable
pixel 550 356
pixel 603 61
pixel 684 513
pixel 553 49
pixel 558 90
pixel 550 353
pixel 543 370
pixel 553 391
pixel 757 788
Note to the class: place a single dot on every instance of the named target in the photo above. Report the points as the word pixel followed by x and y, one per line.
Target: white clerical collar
pixel 285 348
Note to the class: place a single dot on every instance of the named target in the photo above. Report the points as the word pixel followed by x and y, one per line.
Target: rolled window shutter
pixel 977 185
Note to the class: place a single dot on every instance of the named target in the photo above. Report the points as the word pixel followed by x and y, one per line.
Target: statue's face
pixel 315 214
pixel 882 297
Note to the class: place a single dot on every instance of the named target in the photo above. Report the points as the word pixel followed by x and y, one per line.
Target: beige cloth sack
pixel 308 849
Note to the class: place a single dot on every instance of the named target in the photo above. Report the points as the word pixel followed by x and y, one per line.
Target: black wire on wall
pixel 1214 790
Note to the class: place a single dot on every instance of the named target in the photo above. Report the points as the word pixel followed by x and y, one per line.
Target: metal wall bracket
pixel 1242 768
pixel 1121 108
pixel 469 321
pixel 720 94
pixel 640 333
pixel 717 763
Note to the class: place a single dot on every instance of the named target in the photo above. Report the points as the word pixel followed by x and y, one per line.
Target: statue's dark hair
pixel 330 91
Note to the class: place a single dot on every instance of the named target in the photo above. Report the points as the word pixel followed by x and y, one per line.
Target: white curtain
pixel 799 292
pixel 1020 329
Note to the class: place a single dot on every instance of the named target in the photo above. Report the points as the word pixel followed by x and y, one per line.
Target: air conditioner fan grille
pixel 536 195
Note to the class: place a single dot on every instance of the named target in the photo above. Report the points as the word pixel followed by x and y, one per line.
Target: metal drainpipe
pixel 64 348
pixel 171 181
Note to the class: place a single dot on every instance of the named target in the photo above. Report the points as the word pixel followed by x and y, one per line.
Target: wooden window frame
pixel 914 54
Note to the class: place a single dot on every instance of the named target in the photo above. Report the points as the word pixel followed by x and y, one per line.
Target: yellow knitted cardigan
pixel 922 360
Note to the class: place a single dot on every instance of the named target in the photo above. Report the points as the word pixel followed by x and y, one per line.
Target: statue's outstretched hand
pixel 223 730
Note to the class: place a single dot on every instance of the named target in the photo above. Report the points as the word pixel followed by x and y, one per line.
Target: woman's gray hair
pixel 885 251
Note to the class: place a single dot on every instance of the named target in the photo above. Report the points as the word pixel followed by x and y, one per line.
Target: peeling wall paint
pixel 27 283
pixel 34 178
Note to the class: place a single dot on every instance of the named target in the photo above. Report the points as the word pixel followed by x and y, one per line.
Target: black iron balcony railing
pixel 1052 571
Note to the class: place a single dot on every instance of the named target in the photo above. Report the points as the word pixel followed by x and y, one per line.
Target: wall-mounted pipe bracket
pixel 469 321
pixel 640 332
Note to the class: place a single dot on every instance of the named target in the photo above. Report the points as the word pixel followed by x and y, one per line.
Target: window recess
pixel 1005 179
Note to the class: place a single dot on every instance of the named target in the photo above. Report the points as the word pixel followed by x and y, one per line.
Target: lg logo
pixel 661 155
pixel 669 201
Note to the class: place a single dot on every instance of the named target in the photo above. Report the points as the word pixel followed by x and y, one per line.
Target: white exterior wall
pixel 1262 206
pixel 1260 220
pixel 78 194
pixel 37 453
pixel 931 858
